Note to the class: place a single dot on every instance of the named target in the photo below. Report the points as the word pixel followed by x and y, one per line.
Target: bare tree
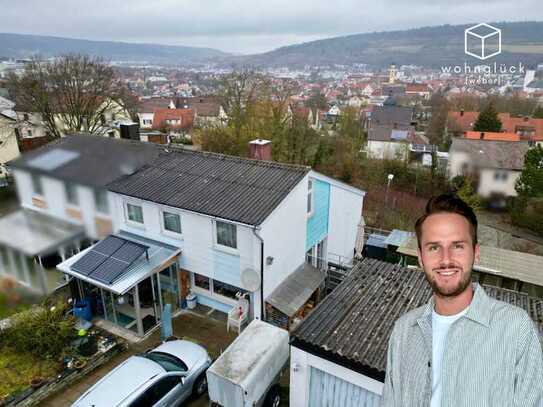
pixel 71 94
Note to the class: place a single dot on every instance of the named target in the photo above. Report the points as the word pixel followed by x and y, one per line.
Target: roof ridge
pixel 222 156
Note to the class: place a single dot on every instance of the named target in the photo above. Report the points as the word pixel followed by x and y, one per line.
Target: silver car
pixel 164 376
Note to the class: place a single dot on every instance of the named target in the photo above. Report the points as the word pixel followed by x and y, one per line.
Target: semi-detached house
pixel 188 222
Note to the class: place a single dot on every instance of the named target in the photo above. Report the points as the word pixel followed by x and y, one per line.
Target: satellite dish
pixel 250 279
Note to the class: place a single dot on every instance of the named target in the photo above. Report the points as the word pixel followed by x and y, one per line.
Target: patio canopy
pixel 34 233
pixel 295 290
pixel 159 256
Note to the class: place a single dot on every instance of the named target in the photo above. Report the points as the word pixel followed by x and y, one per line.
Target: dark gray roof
pixel 97 162
pixel 352 325
pixel 233 188
pixel 507 155
pixel 387 133
pixel 391 115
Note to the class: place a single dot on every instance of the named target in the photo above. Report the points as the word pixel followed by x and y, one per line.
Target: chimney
pixel 260 149
pixel 461 112
pixel 482 135
pixel 526 118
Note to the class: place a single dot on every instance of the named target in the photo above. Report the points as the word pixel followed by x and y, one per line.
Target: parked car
pixel 164 376
pixel 247 374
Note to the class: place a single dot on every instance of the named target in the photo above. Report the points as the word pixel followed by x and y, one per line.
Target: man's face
pixel 447 254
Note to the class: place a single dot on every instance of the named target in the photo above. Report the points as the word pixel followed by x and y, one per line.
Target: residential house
pixel 64 203
pixel 173 121
pixel 529 129
pixel 495 164
pixel 147 107
pixel 33 133
pixel 399 117
pixel 389 143
pixel 339 353
pixel 419 90
pixel 214 227
pixel 9 148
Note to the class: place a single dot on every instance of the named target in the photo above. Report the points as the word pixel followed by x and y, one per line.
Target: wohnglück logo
pixel 483 41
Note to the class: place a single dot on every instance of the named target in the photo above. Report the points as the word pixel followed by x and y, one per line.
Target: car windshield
pixel 169 362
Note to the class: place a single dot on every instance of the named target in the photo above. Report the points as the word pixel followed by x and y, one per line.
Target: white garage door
pixel 327 390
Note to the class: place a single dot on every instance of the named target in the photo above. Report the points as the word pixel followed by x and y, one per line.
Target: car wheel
pixel 200 385
pixel 273 398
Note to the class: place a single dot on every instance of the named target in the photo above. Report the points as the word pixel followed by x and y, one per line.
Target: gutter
pixel 255 232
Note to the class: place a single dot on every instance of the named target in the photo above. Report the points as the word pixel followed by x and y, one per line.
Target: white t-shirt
pixel 440 327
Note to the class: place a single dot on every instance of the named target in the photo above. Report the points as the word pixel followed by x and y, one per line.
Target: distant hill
pixel 428 46
pixel 24 46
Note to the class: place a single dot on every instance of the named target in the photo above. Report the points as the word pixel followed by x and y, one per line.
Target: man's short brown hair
pixel 448 203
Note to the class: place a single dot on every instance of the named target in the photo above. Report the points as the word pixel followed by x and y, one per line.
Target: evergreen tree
pixel 530 182
pixel 538 112
pixel 488 120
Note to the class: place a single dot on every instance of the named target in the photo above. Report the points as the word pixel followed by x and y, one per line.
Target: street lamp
pixel 390 178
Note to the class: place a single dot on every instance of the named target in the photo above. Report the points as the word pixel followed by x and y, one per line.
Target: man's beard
pixel 453 291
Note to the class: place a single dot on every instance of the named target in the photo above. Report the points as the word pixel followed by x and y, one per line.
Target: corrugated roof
pixel 233 188
pixel 100 159
pixel 397 237
pixel 352 325
pixel 295 290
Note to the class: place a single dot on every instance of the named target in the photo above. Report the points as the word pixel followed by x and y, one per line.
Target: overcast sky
pixel 246 26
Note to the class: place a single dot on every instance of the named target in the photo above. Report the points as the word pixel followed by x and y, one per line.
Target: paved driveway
pixel 208 331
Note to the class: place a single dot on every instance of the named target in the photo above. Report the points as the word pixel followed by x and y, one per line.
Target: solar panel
pixel 109 245
pixel 109 270
pixel 109 259
pixel 53 159
pixel 90 261
pixel 129 252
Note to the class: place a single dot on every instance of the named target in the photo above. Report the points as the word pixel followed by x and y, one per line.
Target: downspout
pixel 255 232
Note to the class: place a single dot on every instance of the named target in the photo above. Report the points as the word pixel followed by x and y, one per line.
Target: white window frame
pixel 131 222
pixel 310 196
pixel 77 202
pixel 211 292
pixel 98 211
pixel 39 180
pixel 165 231
pixel 221 247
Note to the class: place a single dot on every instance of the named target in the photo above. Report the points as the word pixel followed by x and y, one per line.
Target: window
pixel 169 362
pixel 37 185
pixel 102 203
pixel 202 281
pixel 310 196
pixel 29 133
pixel 157 391
pixel 71 193
pixel 171 222
pixel 226 290
pixel 134 213
pixel 500 176
pixel 226 234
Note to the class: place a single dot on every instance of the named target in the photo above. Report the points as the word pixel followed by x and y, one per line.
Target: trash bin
pixel 191 301
pixel 82 309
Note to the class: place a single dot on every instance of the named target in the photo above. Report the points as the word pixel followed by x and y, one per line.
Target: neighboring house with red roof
pixel 418 89
pixel 488 135
pixel 173 120
pixel 529 129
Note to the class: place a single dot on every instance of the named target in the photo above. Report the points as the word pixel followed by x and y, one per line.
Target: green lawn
pixel 16 370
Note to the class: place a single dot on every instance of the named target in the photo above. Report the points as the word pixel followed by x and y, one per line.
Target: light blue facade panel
pixel 227 268
pixel 317 223
pixel 326 390
pixel 212 303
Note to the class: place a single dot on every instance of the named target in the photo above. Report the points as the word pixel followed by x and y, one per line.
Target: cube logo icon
pixel 483 41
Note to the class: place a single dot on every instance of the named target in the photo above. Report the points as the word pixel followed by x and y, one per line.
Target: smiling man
pixel 463 348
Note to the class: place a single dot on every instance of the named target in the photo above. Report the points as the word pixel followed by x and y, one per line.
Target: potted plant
pixel 80 364
pixel 36 381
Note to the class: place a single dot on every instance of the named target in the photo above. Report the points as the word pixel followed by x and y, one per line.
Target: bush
pixel 41 331
pixel 527 213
